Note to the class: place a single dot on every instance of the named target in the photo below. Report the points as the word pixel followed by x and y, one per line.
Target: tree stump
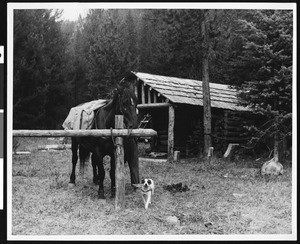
pixel 177 157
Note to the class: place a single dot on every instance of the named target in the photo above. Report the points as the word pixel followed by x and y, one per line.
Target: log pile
pixel 54 147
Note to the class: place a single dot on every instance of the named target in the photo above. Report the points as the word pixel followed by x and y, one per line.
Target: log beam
pixel 93 133
pixel 153 105
pixel 154 97
pixel 143 92
pixel 136 91
pixel 149 95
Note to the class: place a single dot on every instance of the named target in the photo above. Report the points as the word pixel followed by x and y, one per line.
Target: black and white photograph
pixel 151 121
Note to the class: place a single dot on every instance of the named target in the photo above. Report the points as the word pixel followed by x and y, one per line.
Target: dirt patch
pixel 179 187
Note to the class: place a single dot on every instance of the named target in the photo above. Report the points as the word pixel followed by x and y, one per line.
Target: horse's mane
pixel 125 91
pixel 128 93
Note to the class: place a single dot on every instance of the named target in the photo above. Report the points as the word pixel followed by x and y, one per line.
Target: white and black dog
pixel 147 190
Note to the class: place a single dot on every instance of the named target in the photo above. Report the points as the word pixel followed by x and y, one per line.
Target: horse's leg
pixel 112 174
pixel 131 156
pixel 95 171
pixel 82 157
pixel 74 159
pixel 97 159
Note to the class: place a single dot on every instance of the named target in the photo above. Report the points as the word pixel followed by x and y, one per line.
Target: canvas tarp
pixel 81 117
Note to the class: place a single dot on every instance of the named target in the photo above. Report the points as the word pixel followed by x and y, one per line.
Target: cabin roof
pixel 188 91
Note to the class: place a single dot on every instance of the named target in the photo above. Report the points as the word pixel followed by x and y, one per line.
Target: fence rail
pixel 93 133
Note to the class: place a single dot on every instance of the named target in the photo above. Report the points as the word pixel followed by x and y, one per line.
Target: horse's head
pixel 126 105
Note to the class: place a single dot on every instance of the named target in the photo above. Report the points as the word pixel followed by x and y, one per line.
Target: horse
pixel 123 102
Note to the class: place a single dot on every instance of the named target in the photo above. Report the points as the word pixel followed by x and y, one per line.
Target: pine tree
pixel 194 41
pixel 40 94
pixel 110 50
pixel 265 68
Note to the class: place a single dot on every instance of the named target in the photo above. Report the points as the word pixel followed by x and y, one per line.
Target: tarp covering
pixel 81 117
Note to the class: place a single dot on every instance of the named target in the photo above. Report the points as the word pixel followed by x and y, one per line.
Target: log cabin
pixel 174 108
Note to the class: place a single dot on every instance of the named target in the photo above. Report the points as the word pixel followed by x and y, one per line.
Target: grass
pixel 223 198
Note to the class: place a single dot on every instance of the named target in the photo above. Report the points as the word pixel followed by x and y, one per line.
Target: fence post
pixel 119 162
pixel 171 134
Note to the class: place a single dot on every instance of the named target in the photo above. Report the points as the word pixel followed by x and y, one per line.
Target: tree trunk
pixel 206 92
pixel 206 108
pixel 276 142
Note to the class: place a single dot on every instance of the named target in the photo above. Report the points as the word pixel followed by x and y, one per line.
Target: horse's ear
pixel 122 81
pixel 118 88
pixel 125 83
pixel 114 93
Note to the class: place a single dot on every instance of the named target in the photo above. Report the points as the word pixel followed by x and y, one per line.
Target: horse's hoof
pixel 71 185
pixel 113 192
pixel 101 196
pixel 96 182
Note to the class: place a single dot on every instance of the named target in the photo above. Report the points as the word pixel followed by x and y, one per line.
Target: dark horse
pixel 123 102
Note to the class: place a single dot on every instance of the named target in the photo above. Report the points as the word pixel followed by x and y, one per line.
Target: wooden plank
pixel 93 133
pixel 149 95
pixel 54 147
pixel 225 120
pixel 229 150
pixel 171 133
pixel 154 97
pixel 143 93
pixel 177 156
pixel 210 154
pixel 235 134
pixel 152 160
pixel 153 105
pixel 235 128
pixel 119 171
pixel 136 91
pixel 163 137
pixel 237 139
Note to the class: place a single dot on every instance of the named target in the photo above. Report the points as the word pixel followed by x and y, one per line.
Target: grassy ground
pixel 223 198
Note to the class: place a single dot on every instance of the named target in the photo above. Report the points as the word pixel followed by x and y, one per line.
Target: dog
pixel 147 191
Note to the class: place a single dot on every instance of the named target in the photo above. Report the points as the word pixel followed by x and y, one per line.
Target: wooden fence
pixel 118 133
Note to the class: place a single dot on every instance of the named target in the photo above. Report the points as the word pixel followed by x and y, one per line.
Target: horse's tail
pixel 83 156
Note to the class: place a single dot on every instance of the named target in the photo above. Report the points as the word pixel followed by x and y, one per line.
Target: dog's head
pixel 147 183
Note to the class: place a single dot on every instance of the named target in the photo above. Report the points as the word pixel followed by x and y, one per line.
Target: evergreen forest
pixel 59 64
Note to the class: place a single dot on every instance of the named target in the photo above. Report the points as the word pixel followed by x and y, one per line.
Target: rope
pixel 147 190
pixel 112 137
pixel 129 132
